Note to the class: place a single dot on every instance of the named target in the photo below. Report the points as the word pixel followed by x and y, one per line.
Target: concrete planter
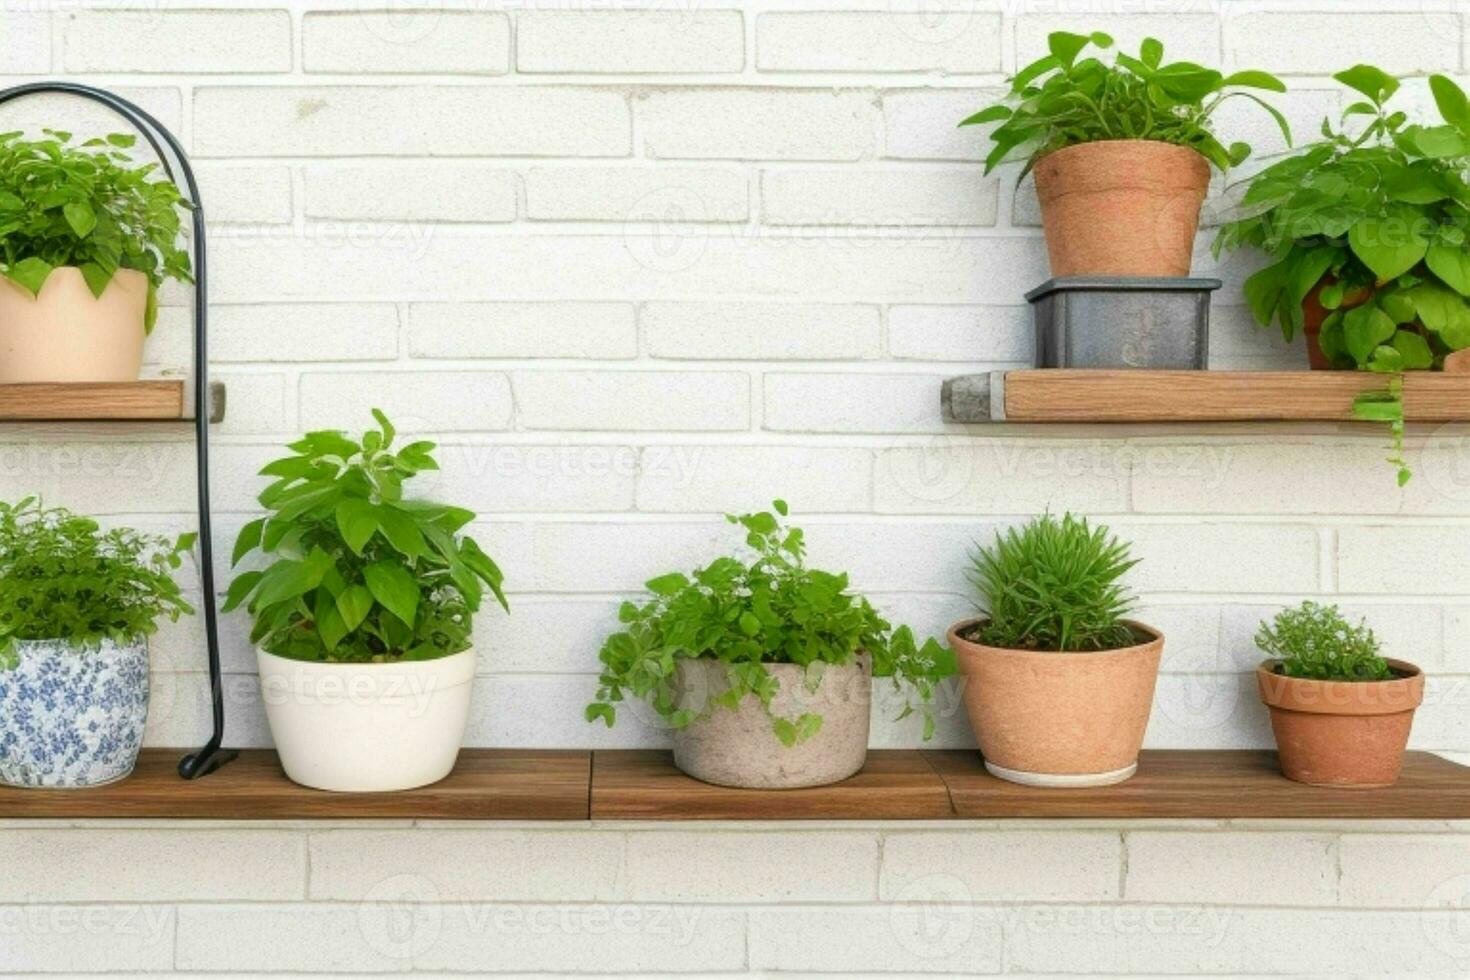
pixel 1059 719
pixel 738 748
pixel 1123 322
pixel 1342 733
pixel 367 728
pixel 68 335
pixel 72 717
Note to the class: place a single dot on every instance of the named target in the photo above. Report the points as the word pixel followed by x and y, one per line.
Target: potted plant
pixel 363 617
pixel 763 667
pixel 1341 713
pixel 1059 681
pixel 1122 151
pixel 1366 233
pixel 86 239
pixel 77 605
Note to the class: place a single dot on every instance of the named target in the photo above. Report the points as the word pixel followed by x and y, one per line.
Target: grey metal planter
pixel 1118 322
pixel 72 717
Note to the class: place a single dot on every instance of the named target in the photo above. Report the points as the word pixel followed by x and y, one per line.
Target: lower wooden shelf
pixel 522 784
pixel 1061 395
pixel 157 400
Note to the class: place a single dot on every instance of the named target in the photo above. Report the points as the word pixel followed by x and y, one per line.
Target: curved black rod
pixel 212 755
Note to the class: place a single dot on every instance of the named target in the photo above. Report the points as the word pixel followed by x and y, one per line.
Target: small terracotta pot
pixel 1313 313
pixel 739 748
pixel 67 334
pixel 1059 719
pixel 1342 733
pixel 1121 207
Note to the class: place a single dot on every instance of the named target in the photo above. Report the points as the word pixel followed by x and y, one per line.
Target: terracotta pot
pixel 1342 733
pixel 1121 207
pixel 1059 719
pixel 739 748
pixel 1313 313
pixel 67 334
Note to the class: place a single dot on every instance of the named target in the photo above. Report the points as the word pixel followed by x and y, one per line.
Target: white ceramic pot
pixel 367 728
pixel 67 334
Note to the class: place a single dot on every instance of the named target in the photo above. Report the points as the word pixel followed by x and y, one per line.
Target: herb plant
pixel 1059 101
pixel 64 578
pixel 1054 585
pixel 87 206
pixel 1378 218
pixel 770 609
pixel 1317 642
pixel 359 573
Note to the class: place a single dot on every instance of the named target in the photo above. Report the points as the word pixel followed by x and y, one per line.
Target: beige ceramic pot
pixel 739 748
pixel 1059 719
pixel 67 334
pixel 1342 733
pixel 1121 207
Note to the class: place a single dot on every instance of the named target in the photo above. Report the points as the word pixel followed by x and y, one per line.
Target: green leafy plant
pixel 1054 585
pixel 64 578
pixel 1315 641
pixel 360 574
pixel 1374 219
pixel 87 206
pixel 771 609
pixel 1059 101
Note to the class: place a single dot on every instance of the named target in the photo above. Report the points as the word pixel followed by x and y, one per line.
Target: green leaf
pixel 1364 328
pixel 1414 351
pixel 1450 99
pixel 29 274
pixel 240 589
pixel 395 587
pixel 1255 79
pixel 1440 142
pixel 1444 312
pixel 288 579
pixel 1390 246
pixel 402 531
pixel 80 216
pixel 993 113
pixel 96 278
pixel 248 540
pixel 354 604
pixel 150 309
pixel 1452 265
pixel 667 585
pixel 1372 82
pixel 1151 52
pixel 330 626
pixel 1065 46
pixel 122 140
pixel 357 521
pixel 750 623
pixel 606 712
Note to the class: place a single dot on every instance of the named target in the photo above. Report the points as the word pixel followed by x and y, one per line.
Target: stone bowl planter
pixel 1059 719
pixel 1121 207
pixel 1342 733
pixel 67 334
pixel 72 717
pixel 738 748
pixel 367 728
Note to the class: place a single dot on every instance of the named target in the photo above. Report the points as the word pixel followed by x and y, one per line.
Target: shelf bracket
pixel 975 398
pixel 207 404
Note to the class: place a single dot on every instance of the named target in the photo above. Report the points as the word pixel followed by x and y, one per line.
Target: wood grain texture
pixel 488 784
pixel 135 400
pixel 1226 784
pixel 1221 396
pixel 645 785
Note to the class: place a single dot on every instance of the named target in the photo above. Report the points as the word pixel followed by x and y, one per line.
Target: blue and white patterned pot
pixel 72 717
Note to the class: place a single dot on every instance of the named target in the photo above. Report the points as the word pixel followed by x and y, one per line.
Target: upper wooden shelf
pixel 524 784
pixel 133 401
pixel 1058 395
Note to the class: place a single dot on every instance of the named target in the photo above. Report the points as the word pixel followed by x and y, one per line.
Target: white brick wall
pixel 635 264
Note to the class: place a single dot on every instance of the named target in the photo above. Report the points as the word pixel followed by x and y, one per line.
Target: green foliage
pixel 63 578
pixel 1054 586
pixel 86 206
pixel 772 609
pixel 1061 101
pixel 1317 642
pixel 361 575
pixel 1379 218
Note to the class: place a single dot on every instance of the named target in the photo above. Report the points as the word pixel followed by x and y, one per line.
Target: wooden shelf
pixel 517 784
pixel 133 401
pixel 488 784
pixel 1193 396
pixel 1227 784
pixel 644 785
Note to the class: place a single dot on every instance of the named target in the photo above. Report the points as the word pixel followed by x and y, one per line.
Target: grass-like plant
pixel 1059 101
pixel 64 578
pixel 87 206
pixel 1054 585
pixel 359 573
pixel 1316 642
pixel 770 609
